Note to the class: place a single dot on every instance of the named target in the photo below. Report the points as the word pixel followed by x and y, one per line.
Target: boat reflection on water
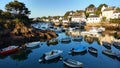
pixel 21 55
pixel 89 40
pixel 55 60
pixel 109 53
pixel 93 54
pixel 3 56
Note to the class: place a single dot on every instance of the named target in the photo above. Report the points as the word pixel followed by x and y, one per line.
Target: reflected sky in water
pixel 29 58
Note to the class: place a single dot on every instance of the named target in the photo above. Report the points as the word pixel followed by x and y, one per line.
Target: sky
pixel 41 8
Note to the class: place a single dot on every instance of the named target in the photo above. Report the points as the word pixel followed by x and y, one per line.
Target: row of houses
pixel 106 12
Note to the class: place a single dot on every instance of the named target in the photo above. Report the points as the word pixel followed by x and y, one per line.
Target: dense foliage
pixel 16 12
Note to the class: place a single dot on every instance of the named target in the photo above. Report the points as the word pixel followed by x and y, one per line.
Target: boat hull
pixel 9 51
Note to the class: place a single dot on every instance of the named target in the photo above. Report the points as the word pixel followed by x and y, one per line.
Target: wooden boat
pixel 78 49
pixel 109 52
pixel 51 55
pixel 72 63
pixel 32 44
pixel 92 50
pixel 9 50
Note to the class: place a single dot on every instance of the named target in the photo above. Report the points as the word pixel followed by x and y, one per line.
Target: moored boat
pixel 52 42
pixel 116 44
pixel 50 55
pixel 72 63
pixel 9 50
pixel 78 38
pixel 78 49
pixel 92 50
pixel 32 44
pixel 109 52
pixel 106 45
pixel 65 40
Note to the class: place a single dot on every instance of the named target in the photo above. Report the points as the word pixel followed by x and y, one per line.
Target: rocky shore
pixel 21 34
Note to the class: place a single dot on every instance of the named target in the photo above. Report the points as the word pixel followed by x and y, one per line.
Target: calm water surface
pixel 29 58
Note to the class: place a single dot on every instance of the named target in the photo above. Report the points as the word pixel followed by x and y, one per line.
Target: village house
pixel 116 15
pixel 93 19
pixel 108 12
pixel 78 17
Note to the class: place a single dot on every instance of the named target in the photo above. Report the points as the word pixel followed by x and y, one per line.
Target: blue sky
pixel 41 8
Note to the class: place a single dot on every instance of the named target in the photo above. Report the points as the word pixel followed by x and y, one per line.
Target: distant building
pixel 55 20
pixel 108 12
pixel 65 21
pixel 78 17
pixel 93 19
pixel 116 15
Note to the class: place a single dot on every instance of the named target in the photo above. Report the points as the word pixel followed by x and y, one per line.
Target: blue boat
pixel 78 49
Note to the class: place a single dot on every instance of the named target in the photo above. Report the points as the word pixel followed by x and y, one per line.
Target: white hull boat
pixel 51 55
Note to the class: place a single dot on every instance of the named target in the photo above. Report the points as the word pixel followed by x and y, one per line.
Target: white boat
pixel 51 55
pixel 72 63
pixel 78 38
pixel 32 44
pixel 96 30
pixel 65 40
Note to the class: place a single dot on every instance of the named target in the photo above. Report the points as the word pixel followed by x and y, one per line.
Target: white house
pixel 108 12
pixel 78 17
pixel 65 21
pixel 93 19
pixel 55 20
pixel 116 15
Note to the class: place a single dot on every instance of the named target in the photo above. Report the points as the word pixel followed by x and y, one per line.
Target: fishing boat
pixel 72 63
pixel 50 55
pixel 79 49
pixel 109 52
pixel 92 50
pixel 9 50
pixel 32 44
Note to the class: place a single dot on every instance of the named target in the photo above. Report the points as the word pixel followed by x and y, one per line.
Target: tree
pixel 17 8
pixel 91 6
pixel 66 14
pixel 118 9
pixel 98 11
